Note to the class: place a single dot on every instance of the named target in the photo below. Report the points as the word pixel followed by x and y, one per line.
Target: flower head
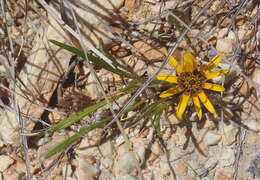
pixel 191 79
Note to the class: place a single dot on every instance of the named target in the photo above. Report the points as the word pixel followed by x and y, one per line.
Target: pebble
pixel 141 152
pixel 181 168
pixel 222 32
pixel 242 33
pixel 212 138
pixel 253 125
pixel 149 51
pixel 227 157
pixel 156 149
pixel 223 175
pixel 125 164
pixel 256 75
pixel 229 134
pixel 120 140
pixel 173 119
pixel 225 46
pixel 85 170
pixel 8 128
pixel 107 149
pixel 5 162
pixel 140 67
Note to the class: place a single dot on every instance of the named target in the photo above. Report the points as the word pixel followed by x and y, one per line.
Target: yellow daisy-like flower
pixel 191 79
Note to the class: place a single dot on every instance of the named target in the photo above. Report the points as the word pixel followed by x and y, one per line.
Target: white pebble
pixel 5 162
pixel 212 138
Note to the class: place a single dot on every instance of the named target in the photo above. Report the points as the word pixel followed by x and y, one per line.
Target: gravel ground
pixel 138 33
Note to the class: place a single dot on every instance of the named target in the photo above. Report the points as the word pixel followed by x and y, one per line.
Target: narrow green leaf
pixel 98 61
pixel 157 116
pixel 76 117
pixel 65 144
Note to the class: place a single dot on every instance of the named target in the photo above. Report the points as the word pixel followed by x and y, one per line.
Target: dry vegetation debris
pixel 42 84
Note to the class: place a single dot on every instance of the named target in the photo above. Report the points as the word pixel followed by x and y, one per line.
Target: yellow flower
pixel 191 79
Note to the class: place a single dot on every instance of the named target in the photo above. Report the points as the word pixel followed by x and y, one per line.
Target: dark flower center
pixel 191 82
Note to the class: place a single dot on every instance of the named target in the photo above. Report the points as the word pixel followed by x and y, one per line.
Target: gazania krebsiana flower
pixel 191 79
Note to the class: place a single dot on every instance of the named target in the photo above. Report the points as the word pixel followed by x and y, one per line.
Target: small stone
pixel 242 33
pixel 120 140
pixel 254 125
pixel 107 149
pixel 173 119
pixel 227 157
pixel 5 162
pixel 212 138
pixel 225 46
pixel 156 149
pixel 179 138
pixel 125 164
pixel 11 176
pixel 180 168
pixel 225 22
pixel 229 134
pixel 256 75
pixel 141 152
pixel 222 32
pixel 150 52
pixel 223 175
pixel 107 162
pixel 245 88
pixel 140 67
pixel 252 138
pixel 85 170
pixel 8 128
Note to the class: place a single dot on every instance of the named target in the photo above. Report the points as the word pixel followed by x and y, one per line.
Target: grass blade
pixel 76 117
pixel 65 144
pixel 97 61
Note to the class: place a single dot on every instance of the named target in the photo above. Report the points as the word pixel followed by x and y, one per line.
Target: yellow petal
pixel 214 87
pixel 175 64
pixel 182 104
pixel 204 99
pixel 170 79
pixel 212 75
pixel 196 102
pixel 170 92
pixel 189 62
pixel 213 63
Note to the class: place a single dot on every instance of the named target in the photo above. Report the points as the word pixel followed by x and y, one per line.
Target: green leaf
pixel 79 115
pixel 65 144
pixel 157 116
pixel 76 117
pixel 97 61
